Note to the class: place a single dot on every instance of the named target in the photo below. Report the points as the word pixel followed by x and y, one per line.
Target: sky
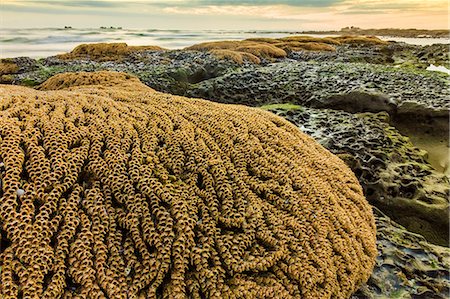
pixel 225 14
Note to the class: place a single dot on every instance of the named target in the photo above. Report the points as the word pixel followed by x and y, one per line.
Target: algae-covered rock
pixel 168 71
pixel 422 57
pixel 9 67
pixel 113 190
pixel 394 174
pixel 407 265
pixel 332 85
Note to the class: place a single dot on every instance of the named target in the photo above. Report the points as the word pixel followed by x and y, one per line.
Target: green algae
pixel 285 106
pixel 394 174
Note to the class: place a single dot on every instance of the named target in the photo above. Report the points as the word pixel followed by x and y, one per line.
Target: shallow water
pixel 423 41
pixel 45 42
pixel 433 138
pixel 439 68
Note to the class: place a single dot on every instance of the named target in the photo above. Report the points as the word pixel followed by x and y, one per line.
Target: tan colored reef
pixel 255 49
pixel 7 66
pixel 105 51
pixel 110 189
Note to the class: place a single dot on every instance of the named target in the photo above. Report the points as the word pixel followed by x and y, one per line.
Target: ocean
pixel 43 42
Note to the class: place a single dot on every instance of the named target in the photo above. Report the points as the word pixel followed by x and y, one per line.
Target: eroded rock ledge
pixel 394 174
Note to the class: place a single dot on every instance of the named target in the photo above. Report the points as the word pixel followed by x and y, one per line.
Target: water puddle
pixel 439 68
pixel 427 137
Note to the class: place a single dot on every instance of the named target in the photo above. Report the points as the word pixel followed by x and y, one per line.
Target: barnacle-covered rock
pixel 130 193
pixel 395 175
pixel 239 51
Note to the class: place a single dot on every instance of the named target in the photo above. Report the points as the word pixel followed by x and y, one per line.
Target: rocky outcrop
pixel 354 78
pixel 407 265
pixel 394 174
pixel 353 87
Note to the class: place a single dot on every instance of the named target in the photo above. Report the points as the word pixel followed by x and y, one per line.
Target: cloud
pixel 294 13
pixel 76 3
pixel 79 3
pixel 49 7
pixel 178 3
pixel 387 6
pixel 345 6
pixel 270 9
pixel 298 3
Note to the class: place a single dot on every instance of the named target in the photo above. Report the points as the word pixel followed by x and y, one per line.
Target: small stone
pixel 20 192
pixel 128 270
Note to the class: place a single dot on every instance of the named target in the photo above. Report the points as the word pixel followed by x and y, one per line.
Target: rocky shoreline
pixel 410 33
pixel 354 101
pixel 394 174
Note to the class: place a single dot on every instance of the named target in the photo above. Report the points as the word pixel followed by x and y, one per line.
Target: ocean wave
pixel 70 39
pixel 55 39
pixel 139 34
pixel 90 33
pixel 41 42
pixel 15 40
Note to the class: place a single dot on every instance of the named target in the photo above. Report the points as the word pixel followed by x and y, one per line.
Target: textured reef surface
pixel 113 189
pixel 355 77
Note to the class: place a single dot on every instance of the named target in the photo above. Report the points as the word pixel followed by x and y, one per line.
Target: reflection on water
pixel 423 41
pixel 43 42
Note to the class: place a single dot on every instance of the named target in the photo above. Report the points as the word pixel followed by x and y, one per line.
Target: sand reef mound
pixel 255 49
pixel 101 80
pixel 105 51
pixel 125 192
pixel 7 66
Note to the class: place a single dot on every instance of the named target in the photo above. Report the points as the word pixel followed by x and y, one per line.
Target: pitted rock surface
pixel 394 174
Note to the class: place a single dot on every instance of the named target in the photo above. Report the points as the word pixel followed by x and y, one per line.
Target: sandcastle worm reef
pixel 127 192
pixel 113 185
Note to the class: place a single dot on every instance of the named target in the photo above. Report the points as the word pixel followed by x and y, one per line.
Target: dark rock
pixel 357 101
pixel 355 87
pixel 407 265
pixel 394 174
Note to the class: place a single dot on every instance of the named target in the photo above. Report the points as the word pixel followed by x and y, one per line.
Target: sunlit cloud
pixel 308 14
pixel 268 11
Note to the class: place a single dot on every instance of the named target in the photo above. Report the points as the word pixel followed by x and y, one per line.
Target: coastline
pixel 41 43
pixel 367 101
pixel 387 32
